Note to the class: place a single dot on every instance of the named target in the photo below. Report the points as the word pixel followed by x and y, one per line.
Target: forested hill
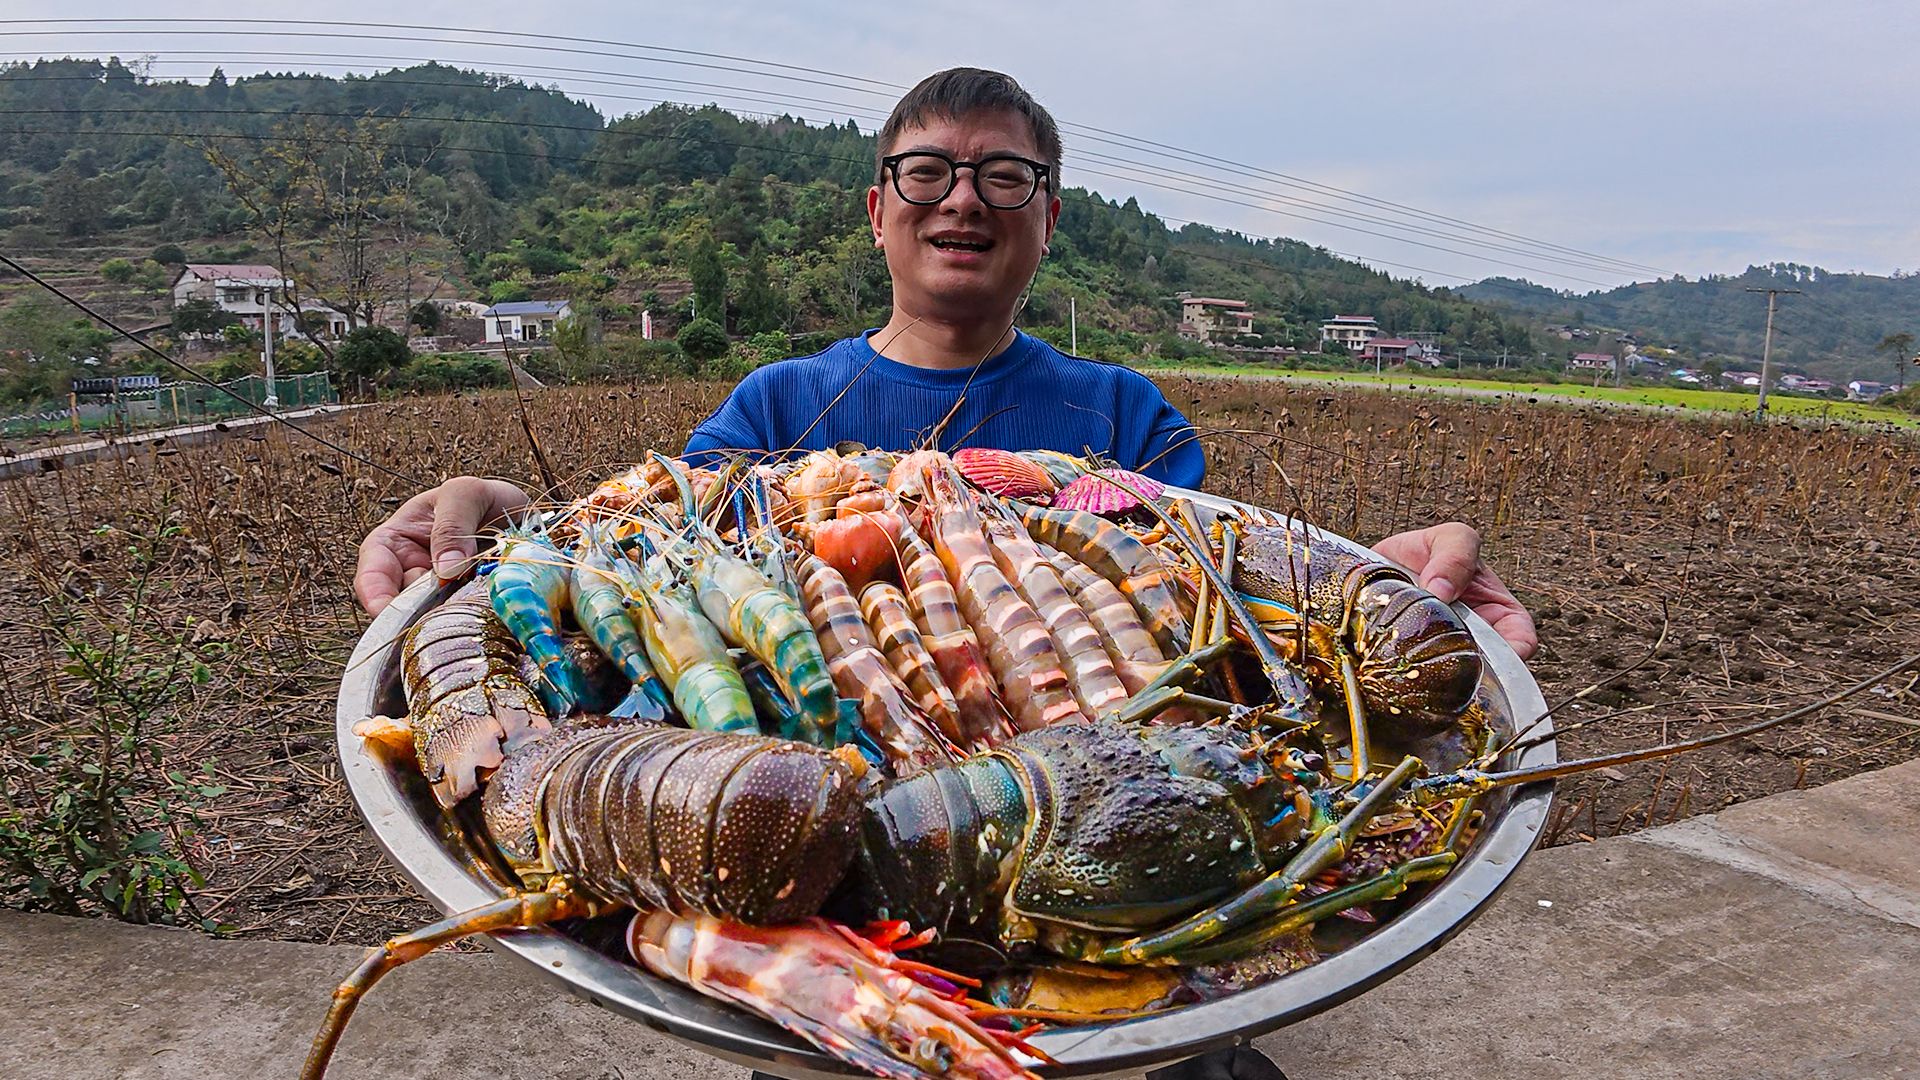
pixel 1830 329
pixel 522 191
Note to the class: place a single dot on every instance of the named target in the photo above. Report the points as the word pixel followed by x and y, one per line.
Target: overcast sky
pixel 1691 137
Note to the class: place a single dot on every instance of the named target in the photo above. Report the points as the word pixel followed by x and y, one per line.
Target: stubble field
pixel 178 620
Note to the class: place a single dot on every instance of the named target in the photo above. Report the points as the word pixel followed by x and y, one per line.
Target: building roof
pixel 1366 319
pixel 1595 356
pixel 248 272
pixel 1213 301
pixel 1391 343
pixel 527 307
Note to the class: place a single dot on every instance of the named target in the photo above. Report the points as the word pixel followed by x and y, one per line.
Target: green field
pixel 1668 397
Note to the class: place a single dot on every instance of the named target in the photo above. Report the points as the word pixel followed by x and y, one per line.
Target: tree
pixel 761 307
pixel 577 335
pixel 709 277
pixel 117 270
pixel 371 351
pixel 426 316
pixel 703 340
pixel 169 255
pixel 199 317
pixel 1901 347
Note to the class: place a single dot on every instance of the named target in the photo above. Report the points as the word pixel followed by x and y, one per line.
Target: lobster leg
pixel 517 911
pixel 1361 749
pixel 1264 897
pixel 1383 886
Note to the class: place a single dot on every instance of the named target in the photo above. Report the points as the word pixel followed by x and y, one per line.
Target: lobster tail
pixel 735 826
pixel 1417 655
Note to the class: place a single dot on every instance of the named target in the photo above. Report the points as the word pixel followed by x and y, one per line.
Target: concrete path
pixel 1777 939
pixel 75 453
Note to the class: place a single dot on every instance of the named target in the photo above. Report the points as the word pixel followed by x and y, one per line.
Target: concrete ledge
pixel 1777 939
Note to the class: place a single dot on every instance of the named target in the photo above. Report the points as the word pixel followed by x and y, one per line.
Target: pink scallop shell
pixel 1094 494
pixel 1002 472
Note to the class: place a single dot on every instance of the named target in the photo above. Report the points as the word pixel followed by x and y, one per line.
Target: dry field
pixel 179 620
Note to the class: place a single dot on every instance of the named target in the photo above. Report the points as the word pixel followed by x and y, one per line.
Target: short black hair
pixel 963 91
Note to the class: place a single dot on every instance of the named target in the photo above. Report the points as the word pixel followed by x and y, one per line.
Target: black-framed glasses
pixel 1003 181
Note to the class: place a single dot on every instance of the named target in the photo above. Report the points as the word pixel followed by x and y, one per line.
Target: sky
pixel 1653 138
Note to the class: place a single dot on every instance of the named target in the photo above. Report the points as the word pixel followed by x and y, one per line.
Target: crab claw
pixel 838 992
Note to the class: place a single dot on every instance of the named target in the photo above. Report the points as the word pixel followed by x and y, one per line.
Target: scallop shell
pixel 1096 495
pixel 1002 472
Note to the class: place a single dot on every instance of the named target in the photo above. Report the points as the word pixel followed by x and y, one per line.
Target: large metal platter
pixel 437 859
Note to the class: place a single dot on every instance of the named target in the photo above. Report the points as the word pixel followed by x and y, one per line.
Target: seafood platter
pixel 924 765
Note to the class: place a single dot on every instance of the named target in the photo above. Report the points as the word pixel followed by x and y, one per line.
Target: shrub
pixel 117 270
pixel 448 372
pixel 507 292
pixel 169 255
pixel 703 340
pixel 371 351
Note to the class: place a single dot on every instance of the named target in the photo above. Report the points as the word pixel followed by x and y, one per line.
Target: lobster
pixel 720 839
pixel 1115 843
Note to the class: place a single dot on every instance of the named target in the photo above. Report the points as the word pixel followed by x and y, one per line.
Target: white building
pixel 245 291
pixel 1351 331
pixel 1204 317
pixel 525 320
pixel 1862 390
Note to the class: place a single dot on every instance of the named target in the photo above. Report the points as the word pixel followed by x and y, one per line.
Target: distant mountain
pixel 526 192
pixel 1830 329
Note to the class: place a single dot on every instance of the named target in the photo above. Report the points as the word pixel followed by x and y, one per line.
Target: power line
pixel 1103 135
pixel 749 94
pixel 615 132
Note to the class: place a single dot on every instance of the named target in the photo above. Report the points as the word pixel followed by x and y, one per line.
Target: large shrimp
pixel 904 734
pixel 1090 670
pixel 1133 568
pixel 755 615
pixel 599 608
pixel 885 608
pixel 687 652
pixel 528 588
pixel 1137 658
pixel 951 641
pixel 1032 680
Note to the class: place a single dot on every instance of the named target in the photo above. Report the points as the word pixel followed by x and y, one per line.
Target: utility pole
pixel 272 400
pixel 1766 349
pixel 1073 323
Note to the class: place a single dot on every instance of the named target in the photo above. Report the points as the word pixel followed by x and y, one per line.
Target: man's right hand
pixel 436 530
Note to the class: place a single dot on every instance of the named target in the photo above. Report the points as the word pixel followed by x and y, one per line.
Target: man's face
pixel 935 278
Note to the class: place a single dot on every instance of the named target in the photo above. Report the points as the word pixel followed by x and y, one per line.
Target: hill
pixel 510 191
pixel 1830 330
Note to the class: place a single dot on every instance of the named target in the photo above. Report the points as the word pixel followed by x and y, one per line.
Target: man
pixel 964 202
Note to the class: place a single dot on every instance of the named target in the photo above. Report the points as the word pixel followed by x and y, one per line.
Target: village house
pixel 1351 332
pixel 245 291
pixel 1740 378
pixel 1591 361
pixel 1384 351
pixel 1862 390
pixel 1203 318
pixel 524 320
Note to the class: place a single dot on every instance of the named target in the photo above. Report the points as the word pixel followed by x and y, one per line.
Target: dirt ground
pixel 1778 563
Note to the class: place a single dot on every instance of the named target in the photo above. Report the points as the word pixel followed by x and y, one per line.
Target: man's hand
pixel 437 529
pixel 1446 559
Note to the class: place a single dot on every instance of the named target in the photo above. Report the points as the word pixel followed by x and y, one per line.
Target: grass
pixel 1719 401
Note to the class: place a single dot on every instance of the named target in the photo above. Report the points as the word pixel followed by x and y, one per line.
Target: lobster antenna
pixel 526 422
pixel 933 435
pixel 1478 781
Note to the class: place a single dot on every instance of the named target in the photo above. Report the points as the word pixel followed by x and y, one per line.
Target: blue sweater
pixel 1030 396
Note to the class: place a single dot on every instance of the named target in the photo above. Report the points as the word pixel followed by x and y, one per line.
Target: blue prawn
pixel 529 590
pixel 599 608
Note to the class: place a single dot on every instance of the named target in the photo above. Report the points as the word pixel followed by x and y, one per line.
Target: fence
pixel 169 405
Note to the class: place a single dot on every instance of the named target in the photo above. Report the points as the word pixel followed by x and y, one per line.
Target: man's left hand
pixel 1446 560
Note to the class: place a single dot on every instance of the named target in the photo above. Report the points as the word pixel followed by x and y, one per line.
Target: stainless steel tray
pixel 437 860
